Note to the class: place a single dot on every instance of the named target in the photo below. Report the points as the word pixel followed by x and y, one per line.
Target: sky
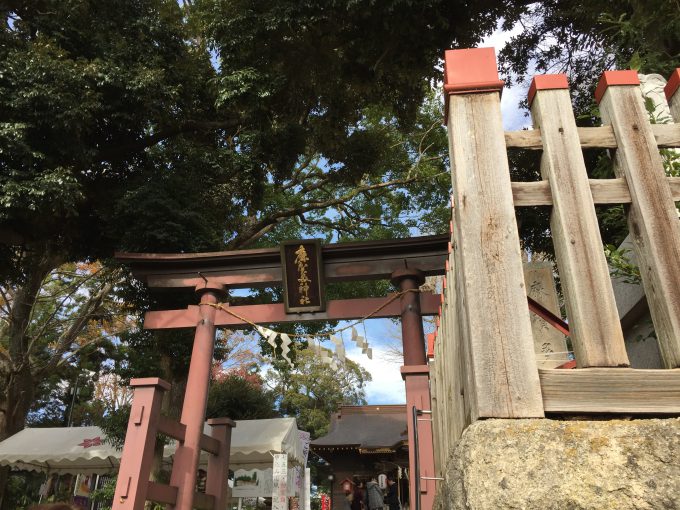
pixel 513 118
pixel 386 386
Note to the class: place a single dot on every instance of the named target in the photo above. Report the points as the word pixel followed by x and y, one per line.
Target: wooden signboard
pixel 302 276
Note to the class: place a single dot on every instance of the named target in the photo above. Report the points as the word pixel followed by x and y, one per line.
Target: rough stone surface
pixel 550 464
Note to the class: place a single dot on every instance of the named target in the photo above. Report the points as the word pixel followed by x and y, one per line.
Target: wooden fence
pixel 484 364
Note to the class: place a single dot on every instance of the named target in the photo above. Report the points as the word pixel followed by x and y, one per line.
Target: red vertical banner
pixel 325 502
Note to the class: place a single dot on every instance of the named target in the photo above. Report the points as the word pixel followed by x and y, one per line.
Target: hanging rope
pixel 271 335
pixel 221 306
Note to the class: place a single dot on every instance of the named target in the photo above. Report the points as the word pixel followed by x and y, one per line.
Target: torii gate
pixel 405 262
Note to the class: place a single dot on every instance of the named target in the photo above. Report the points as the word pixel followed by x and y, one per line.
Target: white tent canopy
pixel 60 450
pixel 85 450
pixel 253 442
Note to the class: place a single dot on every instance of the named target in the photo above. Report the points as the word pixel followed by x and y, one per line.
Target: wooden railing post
pixel 218 465
pixel 454 351
pixel 140 441
pixel 652 216
pixel 493 313
pixel 594 324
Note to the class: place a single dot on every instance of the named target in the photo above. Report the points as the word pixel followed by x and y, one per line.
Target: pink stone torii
pixel 145 422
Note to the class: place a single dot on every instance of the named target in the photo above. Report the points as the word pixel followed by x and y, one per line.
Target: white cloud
pixel 387 387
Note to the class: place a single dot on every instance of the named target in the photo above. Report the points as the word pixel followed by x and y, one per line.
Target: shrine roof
pixel 370 427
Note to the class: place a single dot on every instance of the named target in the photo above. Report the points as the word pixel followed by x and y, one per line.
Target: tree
pixel 240 397
pixel 54 336
pixel 312 391
pixel 68 330
pixel 151 125
pixel 585 38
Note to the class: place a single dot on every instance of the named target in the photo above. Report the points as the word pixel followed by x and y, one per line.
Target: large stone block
pixel 551 464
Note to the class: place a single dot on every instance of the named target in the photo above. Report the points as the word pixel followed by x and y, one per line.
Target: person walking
pixel 392 498
pixel 358 496
pixel 374 495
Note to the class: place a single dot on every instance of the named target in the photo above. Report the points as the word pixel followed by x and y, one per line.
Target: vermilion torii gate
pixel 405 262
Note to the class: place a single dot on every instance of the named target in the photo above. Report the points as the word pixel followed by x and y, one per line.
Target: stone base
pixel 551 464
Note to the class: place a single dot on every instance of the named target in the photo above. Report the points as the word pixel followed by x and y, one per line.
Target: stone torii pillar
pixel 416 375
pixel 188 452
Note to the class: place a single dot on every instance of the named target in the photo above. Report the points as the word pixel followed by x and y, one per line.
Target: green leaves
pixel 55 191
pixel 313 391
pixel 620 266
pixel 240 399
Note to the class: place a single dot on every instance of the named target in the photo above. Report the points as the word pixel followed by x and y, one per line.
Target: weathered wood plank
pixel 204 501
pixel 455 358
pixel 525 139
pixel 526 194
pixel 604 191
pixel 594 325
pixel 499 347
pixel 612 390
pixel 209 444
pixel 653 217
pixel 666 136
pixel 437 437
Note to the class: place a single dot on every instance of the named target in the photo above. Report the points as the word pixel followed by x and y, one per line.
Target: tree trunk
pixel 15 403
pixel 4 477
pixel 17 395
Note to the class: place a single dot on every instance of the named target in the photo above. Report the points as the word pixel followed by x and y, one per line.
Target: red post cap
pixel 469 71
pixel 430 345
pixel 150 381
pixel 627 77
pixel 545 82
pixel 672 85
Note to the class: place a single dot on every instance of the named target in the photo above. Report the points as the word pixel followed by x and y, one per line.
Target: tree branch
pixel 255 232
pixel 76 327
pixel 70 291
pixel 190 126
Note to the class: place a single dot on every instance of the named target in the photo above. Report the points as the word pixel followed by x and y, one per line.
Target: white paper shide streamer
pixel 362 344
pixel 333 360
pixel 285 348
pixel 271 335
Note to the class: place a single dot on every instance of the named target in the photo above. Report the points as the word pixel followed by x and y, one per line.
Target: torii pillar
pixel 416 375
pixel 185 464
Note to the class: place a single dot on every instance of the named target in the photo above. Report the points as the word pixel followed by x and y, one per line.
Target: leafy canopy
pixel 312 391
